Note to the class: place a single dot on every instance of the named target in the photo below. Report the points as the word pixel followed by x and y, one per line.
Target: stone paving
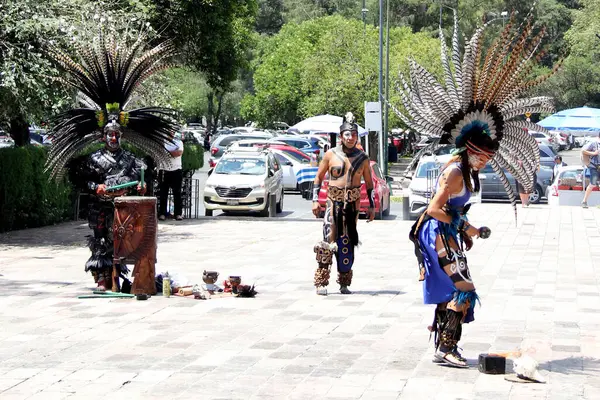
pixel 539 283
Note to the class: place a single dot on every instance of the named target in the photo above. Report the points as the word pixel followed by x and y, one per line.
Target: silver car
pixel 492 187
pixel 245 179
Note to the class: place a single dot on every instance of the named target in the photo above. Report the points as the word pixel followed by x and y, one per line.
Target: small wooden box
pixel 492 364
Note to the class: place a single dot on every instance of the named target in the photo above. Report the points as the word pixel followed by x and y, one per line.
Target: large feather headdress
pixel 479 102
pixel 106 76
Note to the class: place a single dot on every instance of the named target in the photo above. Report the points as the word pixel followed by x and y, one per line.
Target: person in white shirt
pixel 558 164
pixel 171 178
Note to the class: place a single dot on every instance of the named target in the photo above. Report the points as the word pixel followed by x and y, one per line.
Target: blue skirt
pixel 437 286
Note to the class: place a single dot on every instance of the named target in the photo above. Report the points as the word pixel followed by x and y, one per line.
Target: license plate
pixel 233 202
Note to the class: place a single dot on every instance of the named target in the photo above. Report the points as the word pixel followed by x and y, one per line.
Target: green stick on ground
pixel 98 295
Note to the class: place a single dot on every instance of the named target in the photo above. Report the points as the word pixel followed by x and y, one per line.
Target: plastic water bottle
pixel 166 285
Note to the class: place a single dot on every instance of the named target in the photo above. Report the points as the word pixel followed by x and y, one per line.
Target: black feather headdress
pixel 480 99
pixel 106 75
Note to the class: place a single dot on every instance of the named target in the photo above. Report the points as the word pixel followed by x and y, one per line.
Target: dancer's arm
pixel 323 167
pixel 369 184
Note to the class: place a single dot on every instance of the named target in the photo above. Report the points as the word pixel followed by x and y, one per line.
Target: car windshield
pixel 241 166
pixel 423 168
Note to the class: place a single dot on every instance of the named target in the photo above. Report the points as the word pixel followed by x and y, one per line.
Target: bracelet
pixel 370 196
pixel 315 191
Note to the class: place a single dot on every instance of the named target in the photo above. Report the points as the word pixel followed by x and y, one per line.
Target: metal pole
pixel 364 14
pixel 387 88
pixel 380 96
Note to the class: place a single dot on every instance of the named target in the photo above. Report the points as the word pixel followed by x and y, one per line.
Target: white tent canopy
pixel 324 123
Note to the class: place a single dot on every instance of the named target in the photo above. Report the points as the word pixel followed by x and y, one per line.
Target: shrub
pixel 27 198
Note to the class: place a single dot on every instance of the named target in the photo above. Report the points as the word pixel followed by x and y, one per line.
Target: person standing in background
pixel 172 177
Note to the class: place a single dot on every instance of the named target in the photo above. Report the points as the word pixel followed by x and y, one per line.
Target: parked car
pixel 243 180
pixel 423 142
pixel 547 155
pixel 492 187
pixel 306 145
pixel 562 139
pixel 420 190
pixel 256 142
pixel 546 139
pixel 380 188
pixel 291 165
pixel 222 142
pixel 569 186
pixel 292 151
pixel 5 140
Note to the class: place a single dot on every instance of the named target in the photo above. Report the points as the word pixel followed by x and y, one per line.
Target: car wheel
pixel 386 212
pixel 536 195
pixel 208 213
pixel 280 204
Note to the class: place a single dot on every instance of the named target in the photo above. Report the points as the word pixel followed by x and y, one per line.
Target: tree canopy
pixel 327 65
pixel 277 60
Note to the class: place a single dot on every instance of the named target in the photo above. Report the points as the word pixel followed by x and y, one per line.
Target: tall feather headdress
pixel 477 106
pixel 106 76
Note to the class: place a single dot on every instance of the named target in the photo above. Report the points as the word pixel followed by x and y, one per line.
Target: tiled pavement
pixel 539 283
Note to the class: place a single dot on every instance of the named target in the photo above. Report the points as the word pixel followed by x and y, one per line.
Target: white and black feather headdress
pixel 479 101
pixel 106 75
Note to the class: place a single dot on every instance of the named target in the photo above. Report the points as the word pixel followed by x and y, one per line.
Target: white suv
pixel 245 179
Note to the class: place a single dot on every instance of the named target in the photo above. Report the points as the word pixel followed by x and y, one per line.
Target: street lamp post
pixel 384 164
pixel 364 14
pixel 380 94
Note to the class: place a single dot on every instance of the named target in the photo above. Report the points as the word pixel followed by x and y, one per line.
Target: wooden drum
pixel 135 231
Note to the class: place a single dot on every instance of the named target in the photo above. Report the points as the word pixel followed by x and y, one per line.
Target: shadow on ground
pixel 579 365
pixel 373 293
pixel 9 287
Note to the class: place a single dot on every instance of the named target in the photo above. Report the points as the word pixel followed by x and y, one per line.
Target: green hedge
pixel 27 198
pixel 193 157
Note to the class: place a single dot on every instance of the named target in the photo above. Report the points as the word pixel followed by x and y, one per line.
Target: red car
pixel 380 188
pixel 292 151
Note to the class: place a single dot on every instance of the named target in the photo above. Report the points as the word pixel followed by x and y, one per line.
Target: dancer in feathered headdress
pixel 106 76
pixel 346 166
pixel 476 112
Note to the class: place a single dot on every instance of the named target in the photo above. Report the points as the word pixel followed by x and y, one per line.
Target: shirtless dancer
pixel 346 165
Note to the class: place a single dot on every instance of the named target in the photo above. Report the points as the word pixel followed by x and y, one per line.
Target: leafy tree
pixel 27 27
pixel 328 65
pixel 577 83
pixel 270 16
pixel 584 35
pixel 214 37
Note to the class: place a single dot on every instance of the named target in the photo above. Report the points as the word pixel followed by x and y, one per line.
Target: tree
pixel 328 65
pixel 27 92
pixel 214 37
pixel 270 16
pixel 577 83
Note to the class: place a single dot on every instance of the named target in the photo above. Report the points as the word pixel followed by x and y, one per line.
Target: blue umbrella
pixel 574 119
